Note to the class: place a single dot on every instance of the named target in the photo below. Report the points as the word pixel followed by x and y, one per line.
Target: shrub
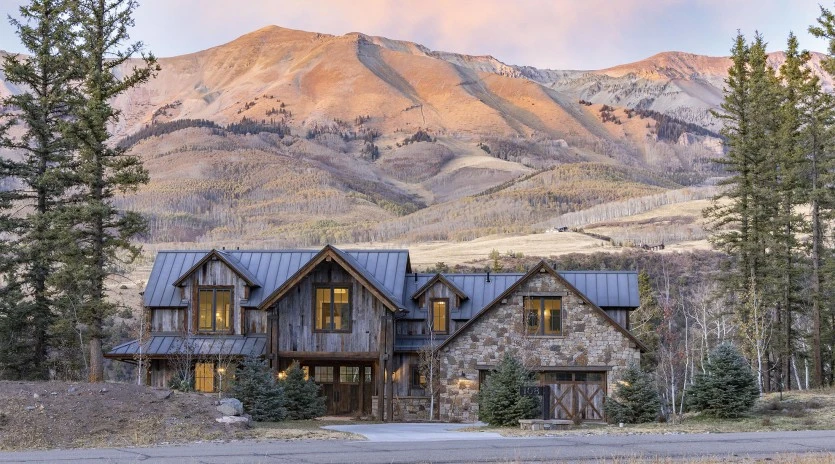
pixel 501 401
pixel 301 395
pixel 257 389
pixel 181 382
pixel 728 389
pixel 636 399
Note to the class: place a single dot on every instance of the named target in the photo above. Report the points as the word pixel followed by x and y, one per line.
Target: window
pixel 440 316
pixel 418 379
pixel 204 377
pixel 349 374
pixel 332 312
pixel 215 310
pixel 367 375
pixel 323 374
pixel 543 316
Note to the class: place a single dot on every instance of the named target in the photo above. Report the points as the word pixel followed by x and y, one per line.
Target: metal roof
pixel 606 289
pixel 387 269
pixel 161 345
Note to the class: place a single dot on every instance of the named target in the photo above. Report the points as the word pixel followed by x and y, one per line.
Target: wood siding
pixel 296 316
pixel 621 316
pixel 168 320
pixel 439 290
pixel 217 274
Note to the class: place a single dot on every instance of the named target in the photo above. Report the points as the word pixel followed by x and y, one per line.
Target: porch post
pixel 390 363
pixel 381 370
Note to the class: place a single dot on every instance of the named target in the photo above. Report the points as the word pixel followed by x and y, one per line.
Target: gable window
pixel 543 316
pixel 215 309
pixel 332 312
pixel 439 315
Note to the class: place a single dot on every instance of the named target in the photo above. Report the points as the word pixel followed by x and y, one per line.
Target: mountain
pixel 291 138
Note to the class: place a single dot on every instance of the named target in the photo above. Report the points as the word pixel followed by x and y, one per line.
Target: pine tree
pixel 728 388
pixel 102 234
pixel 47 78
pixel 636 400
pixel 500 401
pixel 256 388
pixel 646 319
pixel 303 400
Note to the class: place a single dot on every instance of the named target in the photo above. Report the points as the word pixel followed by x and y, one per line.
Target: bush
pixel 257 389
pixel 636 400
pixel 728 389
pixel 500 400
pixel 181 382
pixel 301 395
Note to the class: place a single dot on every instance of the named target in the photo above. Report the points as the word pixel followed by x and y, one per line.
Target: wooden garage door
pixel 576 394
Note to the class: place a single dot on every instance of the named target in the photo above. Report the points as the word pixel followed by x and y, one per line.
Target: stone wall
pixel 589 340
pixel 407 408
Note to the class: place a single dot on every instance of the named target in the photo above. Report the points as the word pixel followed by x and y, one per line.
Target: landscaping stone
pixel 230 407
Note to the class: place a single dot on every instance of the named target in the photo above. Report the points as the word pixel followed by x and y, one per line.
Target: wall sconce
pixel 282 375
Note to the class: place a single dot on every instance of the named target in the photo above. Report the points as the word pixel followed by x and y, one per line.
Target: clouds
pixel 561 34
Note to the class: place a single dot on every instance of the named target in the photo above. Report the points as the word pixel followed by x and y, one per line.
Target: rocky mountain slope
pixel 290 138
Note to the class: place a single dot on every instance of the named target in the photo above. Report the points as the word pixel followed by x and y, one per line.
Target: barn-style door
pixel 576 394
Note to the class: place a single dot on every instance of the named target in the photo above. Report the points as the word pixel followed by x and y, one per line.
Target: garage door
pixel 576 394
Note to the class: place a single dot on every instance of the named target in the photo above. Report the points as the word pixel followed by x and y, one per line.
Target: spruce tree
pixel 39 178
pixel 500 401
pixel 728 388
pixel 256 388
pixel 636 399
pixel 646 320
pixel 303 400
pixel 102 235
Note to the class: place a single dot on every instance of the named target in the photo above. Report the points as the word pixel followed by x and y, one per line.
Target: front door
pixel 576 394
pixel 347 388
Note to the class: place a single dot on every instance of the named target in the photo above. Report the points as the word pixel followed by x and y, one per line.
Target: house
pixel 356 321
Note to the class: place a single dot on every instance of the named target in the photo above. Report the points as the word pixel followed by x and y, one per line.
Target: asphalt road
pixel 562 449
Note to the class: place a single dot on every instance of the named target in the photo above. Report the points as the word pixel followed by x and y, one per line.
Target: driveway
pixel 415 432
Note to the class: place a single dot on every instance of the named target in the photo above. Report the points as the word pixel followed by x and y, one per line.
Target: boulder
pixel 230 407
pixel 162 394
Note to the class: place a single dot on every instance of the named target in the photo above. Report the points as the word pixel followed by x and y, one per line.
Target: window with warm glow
pixel 440 316
pixel 332 312
pixel 214 310
pixel 204 377
pixel 543 316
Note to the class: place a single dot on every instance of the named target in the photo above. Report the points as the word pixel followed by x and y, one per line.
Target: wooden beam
pixel 329 355
pixel 390 364
pixel 381 370
pixel 276 338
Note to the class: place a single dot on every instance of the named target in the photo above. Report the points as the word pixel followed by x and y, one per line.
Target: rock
pixel 232 419
pixel 104 390
pixel 36 396
pixel 72 389
pixel 30 408
pixel 230 407
pixel 162 394
pixel 54 393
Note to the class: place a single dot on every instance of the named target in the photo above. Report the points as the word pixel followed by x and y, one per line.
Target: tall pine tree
pixel 102 235
pixel 39 178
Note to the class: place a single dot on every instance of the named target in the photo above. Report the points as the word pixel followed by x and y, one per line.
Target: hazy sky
pixel 562 34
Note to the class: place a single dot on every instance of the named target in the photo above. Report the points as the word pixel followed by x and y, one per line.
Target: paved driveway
pixel 414 432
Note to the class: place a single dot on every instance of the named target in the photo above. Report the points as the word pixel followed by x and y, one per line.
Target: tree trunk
pixel 96 360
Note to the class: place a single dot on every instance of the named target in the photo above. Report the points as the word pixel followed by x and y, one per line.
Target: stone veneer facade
pixel 590 340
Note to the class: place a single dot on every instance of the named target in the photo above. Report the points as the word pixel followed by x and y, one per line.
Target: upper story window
pixel 439 315
pixel 332 310
pixel 543 316
pixel 214 309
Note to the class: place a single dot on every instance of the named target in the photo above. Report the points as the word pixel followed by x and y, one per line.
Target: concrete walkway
pixel 415 432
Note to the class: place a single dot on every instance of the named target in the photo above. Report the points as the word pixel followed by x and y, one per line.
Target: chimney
pixel 415 276
pixel 488 276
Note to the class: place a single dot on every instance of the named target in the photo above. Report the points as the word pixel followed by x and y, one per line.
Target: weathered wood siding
pixel 168 320
pixel 216 274
pixel 256 321
pixel 621 316
pixel 159 374
pixel 439 290
pixel 296 316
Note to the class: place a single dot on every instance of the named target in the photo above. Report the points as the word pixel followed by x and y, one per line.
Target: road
pixel 562 449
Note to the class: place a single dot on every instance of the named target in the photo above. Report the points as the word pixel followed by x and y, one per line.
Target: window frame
pixel 333 286
pixel 431 315
pixel 215 289
pixel 540 314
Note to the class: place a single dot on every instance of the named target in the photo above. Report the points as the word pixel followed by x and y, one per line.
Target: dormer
pixel 439 287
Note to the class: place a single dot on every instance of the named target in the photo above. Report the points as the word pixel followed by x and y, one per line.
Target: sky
pixel 556 34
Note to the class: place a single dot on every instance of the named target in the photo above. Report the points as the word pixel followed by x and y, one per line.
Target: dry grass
pixel 300 430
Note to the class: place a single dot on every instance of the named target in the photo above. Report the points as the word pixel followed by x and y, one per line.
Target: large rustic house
pixel 356 321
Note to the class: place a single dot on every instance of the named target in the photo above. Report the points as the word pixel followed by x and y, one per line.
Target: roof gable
pixel 230 261
pixel 443 280
pixel 542 266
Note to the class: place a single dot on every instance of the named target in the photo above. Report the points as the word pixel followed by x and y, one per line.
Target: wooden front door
pixel 576 394
pixel 347 388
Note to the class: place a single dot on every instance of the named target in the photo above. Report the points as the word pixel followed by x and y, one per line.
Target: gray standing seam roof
pixel 271 268
pixel 161 345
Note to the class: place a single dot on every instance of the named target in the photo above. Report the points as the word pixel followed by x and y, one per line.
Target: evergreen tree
pixel 102 234
pixel 646 319
pixel 302 395
pixel 500 401
pixel 39 178
pixel 728 388
pixel 636 399
pixel 256 388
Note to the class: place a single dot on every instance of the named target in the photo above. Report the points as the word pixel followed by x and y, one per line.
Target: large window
pixel 215 310
pixel 543 316
pixel 204 377
pixel 332 312
pixel 323 374
pixel 349 374
pixel 440 316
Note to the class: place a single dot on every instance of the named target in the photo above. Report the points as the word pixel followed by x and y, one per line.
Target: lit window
pixel 543 316
pixel 215 309
pixel 332 312
pixel 204 377
pixel 440 316
pixel 323 374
